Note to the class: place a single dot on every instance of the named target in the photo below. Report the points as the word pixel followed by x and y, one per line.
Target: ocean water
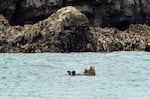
pixel 119 75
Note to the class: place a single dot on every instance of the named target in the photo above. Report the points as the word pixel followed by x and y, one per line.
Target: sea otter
pixel 90 71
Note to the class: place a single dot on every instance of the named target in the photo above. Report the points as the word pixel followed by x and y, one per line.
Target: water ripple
pixel 119 75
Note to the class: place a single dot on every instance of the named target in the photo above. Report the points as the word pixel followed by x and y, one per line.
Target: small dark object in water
pixel 73 73
pixel 69 72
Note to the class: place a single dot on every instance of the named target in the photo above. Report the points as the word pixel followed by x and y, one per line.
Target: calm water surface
pixel 119 75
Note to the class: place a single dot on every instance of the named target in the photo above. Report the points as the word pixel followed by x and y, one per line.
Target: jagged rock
pixel 135 38
pixel 67 30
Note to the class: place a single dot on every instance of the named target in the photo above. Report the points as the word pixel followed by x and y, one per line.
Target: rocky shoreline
pixel 68 30
pixel 135 38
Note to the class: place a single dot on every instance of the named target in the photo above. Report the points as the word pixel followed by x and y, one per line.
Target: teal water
pixel 119 75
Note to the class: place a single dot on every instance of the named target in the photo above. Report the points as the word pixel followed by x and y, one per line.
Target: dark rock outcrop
pixel 67 30
pixel 135 38
pixel 105 13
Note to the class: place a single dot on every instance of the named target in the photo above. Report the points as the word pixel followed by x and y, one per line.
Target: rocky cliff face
pixel 105 13
pixel 135 38
pixel 28 11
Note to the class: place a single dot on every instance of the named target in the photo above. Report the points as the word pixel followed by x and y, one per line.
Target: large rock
pixel 67 30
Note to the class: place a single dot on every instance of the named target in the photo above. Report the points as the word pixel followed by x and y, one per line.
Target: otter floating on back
pixel 90 71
